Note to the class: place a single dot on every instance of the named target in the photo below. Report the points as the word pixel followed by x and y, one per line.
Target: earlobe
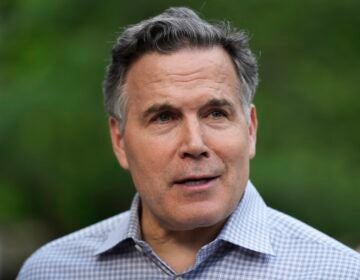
pixel 253 124
pixel 117 141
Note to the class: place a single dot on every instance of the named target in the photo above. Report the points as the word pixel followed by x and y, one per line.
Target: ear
pixel 253 124
pixel 117 140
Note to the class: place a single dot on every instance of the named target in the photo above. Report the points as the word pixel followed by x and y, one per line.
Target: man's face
pixel 186 141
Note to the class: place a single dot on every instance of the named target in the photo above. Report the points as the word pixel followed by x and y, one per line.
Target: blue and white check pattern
pixel 257 242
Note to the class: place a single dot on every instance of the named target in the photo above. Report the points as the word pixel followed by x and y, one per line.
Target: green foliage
pixel 56 162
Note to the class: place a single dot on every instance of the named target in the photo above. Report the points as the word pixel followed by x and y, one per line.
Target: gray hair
pixel 172 30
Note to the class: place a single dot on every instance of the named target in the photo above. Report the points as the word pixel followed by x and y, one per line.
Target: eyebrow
pixel 157 108
pixel 214 102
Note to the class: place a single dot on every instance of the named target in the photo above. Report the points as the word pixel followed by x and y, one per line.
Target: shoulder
pixel 297 241
pixel 76 247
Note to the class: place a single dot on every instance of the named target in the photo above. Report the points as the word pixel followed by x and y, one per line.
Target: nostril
pixel 193 155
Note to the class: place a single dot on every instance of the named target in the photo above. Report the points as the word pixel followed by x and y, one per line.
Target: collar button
pixel 138 247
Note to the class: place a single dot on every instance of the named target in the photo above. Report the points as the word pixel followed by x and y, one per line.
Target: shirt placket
pixel 145 249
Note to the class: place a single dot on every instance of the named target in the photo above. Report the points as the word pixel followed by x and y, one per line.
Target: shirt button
pixel 138 247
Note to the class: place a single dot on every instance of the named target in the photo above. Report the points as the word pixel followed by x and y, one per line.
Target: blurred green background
pixel 57 170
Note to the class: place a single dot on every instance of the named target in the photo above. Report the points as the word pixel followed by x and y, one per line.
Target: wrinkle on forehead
pixel 156 77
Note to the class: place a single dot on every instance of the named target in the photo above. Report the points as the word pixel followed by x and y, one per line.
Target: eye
pixel 163 117
pixel 218 114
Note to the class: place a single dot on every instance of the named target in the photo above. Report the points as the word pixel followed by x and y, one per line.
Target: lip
pixel 196 183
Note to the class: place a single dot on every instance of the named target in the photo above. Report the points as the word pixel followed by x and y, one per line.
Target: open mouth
pixel 195 181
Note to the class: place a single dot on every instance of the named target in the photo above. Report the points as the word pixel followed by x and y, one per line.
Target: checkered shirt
pixel 257 242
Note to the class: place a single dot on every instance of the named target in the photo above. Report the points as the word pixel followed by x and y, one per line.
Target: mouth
pixel 195 181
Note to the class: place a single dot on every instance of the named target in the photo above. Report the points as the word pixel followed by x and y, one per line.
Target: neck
pixel 186 243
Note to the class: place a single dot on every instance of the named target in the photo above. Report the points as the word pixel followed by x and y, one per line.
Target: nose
pixel 192 141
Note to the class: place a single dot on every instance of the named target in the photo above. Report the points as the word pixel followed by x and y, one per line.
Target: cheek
pixel 235 148
pixel 235 155
pixel 148 159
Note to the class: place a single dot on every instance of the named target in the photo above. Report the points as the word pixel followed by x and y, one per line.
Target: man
pixel 179 95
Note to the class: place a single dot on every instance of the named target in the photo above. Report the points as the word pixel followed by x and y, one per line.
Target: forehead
pixel 155 75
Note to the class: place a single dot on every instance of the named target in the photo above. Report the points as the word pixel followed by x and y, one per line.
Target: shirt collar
pixel 247 227
pixel 126 228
